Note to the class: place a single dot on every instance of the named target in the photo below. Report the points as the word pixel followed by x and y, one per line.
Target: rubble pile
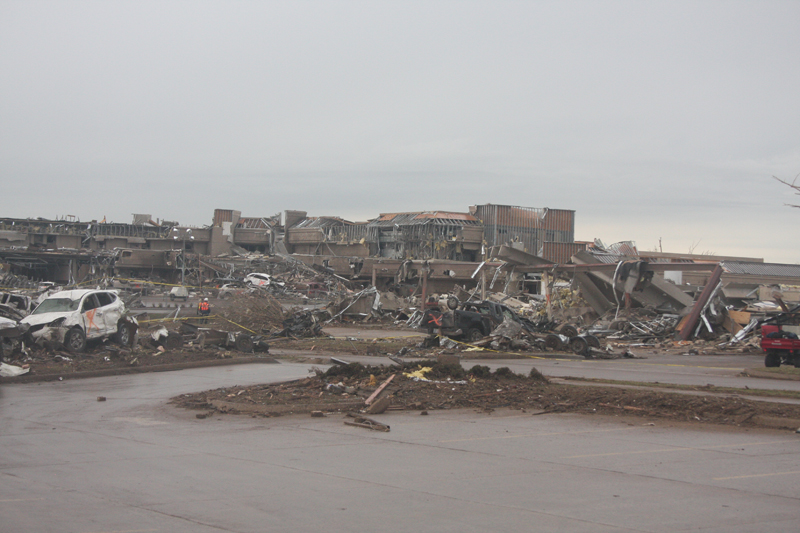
pixel 373 306
pixel 641 325
pixel 170 349
pixel 304 323
pixel 511 300
pixel 420 385
pixel 262 314
pixel 12 281
pixel 497 326
pixel 428 385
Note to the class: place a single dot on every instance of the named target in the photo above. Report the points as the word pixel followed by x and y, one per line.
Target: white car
pixel 262 280
pixel 259 280
pixel 72 317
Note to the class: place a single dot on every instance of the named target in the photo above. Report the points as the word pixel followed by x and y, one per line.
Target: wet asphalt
pixel 133 463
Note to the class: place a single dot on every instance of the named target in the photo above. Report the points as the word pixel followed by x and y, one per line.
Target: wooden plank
pixel 731 325
pixel 364 422
pixel 740 317
pixel 378 427
pixel 341 405
pixel 379 390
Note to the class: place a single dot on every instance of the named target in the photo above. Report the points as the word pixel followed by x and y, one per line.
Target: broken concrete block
pixel 380 406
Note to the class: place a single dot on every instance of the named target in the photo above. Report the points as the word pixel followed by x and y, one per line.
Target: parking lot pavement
pixel 133 463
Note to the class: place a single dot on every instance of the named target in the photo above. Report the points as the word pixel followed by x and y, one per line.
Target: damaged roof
pixel 323 222
pixel 761 269
pixel 444 218
pixel 258 222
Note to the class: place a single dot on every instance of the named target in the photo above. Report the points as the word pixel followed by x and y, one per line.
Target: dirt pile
pixel 430 385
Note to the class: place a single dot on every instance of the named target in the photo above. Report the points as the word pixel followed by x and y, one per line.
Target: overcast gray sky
pixel 649 119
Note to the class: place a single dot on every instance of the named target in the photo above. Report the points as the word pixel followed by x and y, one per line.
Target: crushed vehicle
pixel 471 321
pixel 304 323
pixel 235 288
pixel 779 339
pixel 10 333
pixel 142 287
pixel 497 313
pixel 226 339
pixel 315 289
pixel 15 306
pixel 70 318
pixel 468 325
pixel 474 320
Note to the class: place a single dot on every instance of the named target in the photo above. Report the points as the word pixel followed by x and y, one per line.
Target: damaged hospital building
pixel 66 251
pixel 523 257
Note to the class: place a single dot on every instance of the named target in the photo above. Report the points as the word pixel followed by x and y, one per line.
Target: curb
pixel 34 378
pixel 755 373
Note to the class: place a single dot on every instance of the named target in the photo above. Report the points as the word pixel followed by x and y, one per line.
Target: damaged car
pixel 236 288
pixel 10 333
pixel 15 306
pixel 469 325
pixel 70 318
pixel 258 279
pixel 474 320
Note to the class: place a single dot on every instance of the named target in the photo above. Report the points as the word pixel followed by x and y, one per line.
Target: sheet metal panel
pixel 561 252
pixel 530 226
pixel 761 269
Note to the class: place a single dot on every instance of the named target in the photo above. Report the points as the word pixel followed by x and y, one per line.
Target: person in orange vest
pixel 203 310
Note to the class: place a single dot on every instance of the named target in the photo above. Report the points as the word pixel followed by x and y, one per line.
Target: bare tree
pixel 794 185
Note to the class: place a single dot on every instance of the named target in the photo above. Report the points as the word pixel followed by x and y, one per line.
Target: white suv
pixel 262 280
pixel 72 317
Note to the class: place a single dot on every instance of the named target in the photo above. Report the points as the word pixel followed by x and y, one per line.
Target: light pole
pixel 188 233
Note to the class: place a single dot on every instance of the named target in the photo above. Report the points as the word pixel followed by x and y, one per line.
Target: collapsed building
pixel 68 250
pixel 441 235
pixel 518 253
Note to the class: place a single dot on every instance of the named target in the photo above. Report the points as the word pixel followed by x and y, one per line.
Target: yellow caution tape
pixel 168 319
pixel 176 318
pixel 239 325
pixel 159 283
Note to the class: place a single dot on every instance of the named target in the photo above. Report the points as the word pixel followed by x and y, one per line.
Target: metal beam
pixel 694 316
pixel 610 267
